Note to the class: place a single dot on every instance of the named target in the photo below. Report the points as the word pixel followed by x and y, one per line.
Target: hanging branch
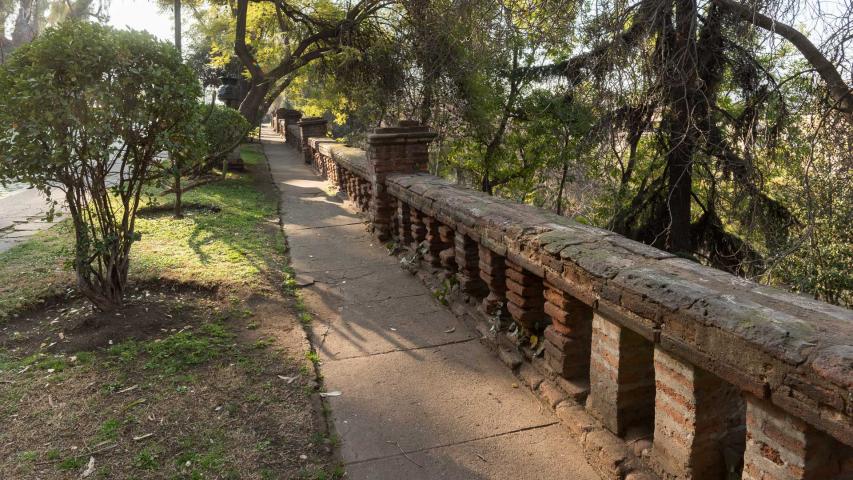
pixel 840 91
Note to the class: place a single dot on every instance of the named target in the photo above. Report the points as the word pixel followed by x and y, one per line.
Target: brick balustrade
pixel 721 374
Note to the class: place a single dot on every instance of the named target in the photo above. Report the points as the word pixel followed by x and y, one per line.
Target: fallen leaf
pixel 90 468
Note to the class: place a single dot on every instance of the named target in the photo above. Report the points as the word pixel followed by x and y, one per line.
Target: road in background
pixel 22 214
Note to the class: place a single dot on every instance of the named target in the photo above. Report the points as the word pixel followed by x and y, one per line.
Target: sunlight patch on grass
pixel 239 246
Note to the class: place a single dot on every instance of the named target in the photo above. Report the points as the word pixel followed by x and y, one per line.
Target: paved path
pixel 413 378
pixel 22 215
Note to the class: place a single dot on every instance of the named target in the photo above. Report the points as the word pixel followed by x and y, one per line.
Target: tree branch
pixel 240 47
pixel 839 90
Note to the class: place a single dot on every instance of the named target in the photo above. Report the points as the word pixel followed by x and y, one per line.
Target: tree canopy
pixel 718 130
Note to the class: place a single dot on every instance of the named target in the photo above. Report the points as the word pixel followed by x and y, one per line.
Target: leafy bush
pixel 86 108
pixel 223 128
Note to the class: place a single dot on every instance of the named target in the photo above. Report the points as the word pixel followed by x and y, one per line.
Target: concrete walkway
pixel 22 215
pixel 421 397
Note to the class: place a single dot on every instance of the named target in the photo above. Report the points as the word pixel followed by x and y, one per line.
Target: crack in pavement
pixel 395 350
pixel 382 299
pixel 453 444
pixel 297 229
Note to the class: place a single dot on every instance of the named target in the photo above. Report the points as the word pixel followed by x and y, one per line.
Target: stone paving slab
pixel 412 377
pixel 424 398
pixel 391 307
pixel 381 327
pixel 328 251
pixel 364 283
pixel 546 453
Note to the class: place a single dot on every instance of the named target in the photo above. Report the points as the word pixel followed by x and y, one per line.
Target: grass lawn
pixel 205 374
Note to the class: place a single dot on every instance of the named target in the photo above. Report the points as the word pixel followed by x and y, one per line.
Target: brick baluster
pixel 493 273
pixel 404 223
pixel 467 262
pixel 782 447
pixel 351 191
pixel 434 243
pixel 395 219
pixel 694 412
pixel 621 377
pixel 448 255
pixel 418 227
pixel 568 338
pixel 524 296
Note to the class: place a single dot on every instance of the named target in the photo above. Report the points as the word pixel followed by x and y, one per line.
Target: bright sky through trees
pixel 145 15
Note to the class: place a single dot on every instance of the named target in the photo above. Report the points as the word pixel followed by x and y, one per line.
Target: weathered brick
pixel 692 408
pixel 523 278
pixel 527 291
pixel 783 447
pixel 621 377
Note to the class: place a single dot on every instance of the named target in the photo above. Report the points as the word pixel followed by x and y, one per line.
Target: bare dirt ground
pixel 181 384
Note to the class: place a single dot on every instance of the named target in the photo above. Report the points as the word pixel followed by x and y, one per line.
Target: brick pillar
pixel 524 298
pixel 310 127
pixel 467 263
pixel 782 447
pixel 404 223
pixel 621 377
pixel 493 273
pixel 287 118
pixel 693 409
pixel 400 149
pixel 568 338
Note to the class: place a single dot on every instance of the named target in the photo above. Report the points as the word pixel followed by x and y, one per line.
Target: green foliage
pixel 86 108
pixel 223 127
pixel 578 108
pixel 177 352
pixel 233 247
pixel 72 463
pixel 109 430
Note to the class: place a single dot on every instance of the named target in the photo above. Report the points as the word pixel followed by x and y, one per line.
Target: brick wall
pixel 704 375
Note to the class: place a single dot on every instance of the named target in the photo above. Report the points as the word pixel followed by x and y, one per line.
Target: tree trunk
pixel 179 212
pixel 565 173
pixel 486 184
pixel 252 105
pixel 682 80
pixel 178 25
pixel 680 165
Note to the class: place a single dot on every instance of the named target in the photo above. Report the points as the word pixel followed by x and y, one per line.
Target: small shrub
pixel 223 127
pixel 86 108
